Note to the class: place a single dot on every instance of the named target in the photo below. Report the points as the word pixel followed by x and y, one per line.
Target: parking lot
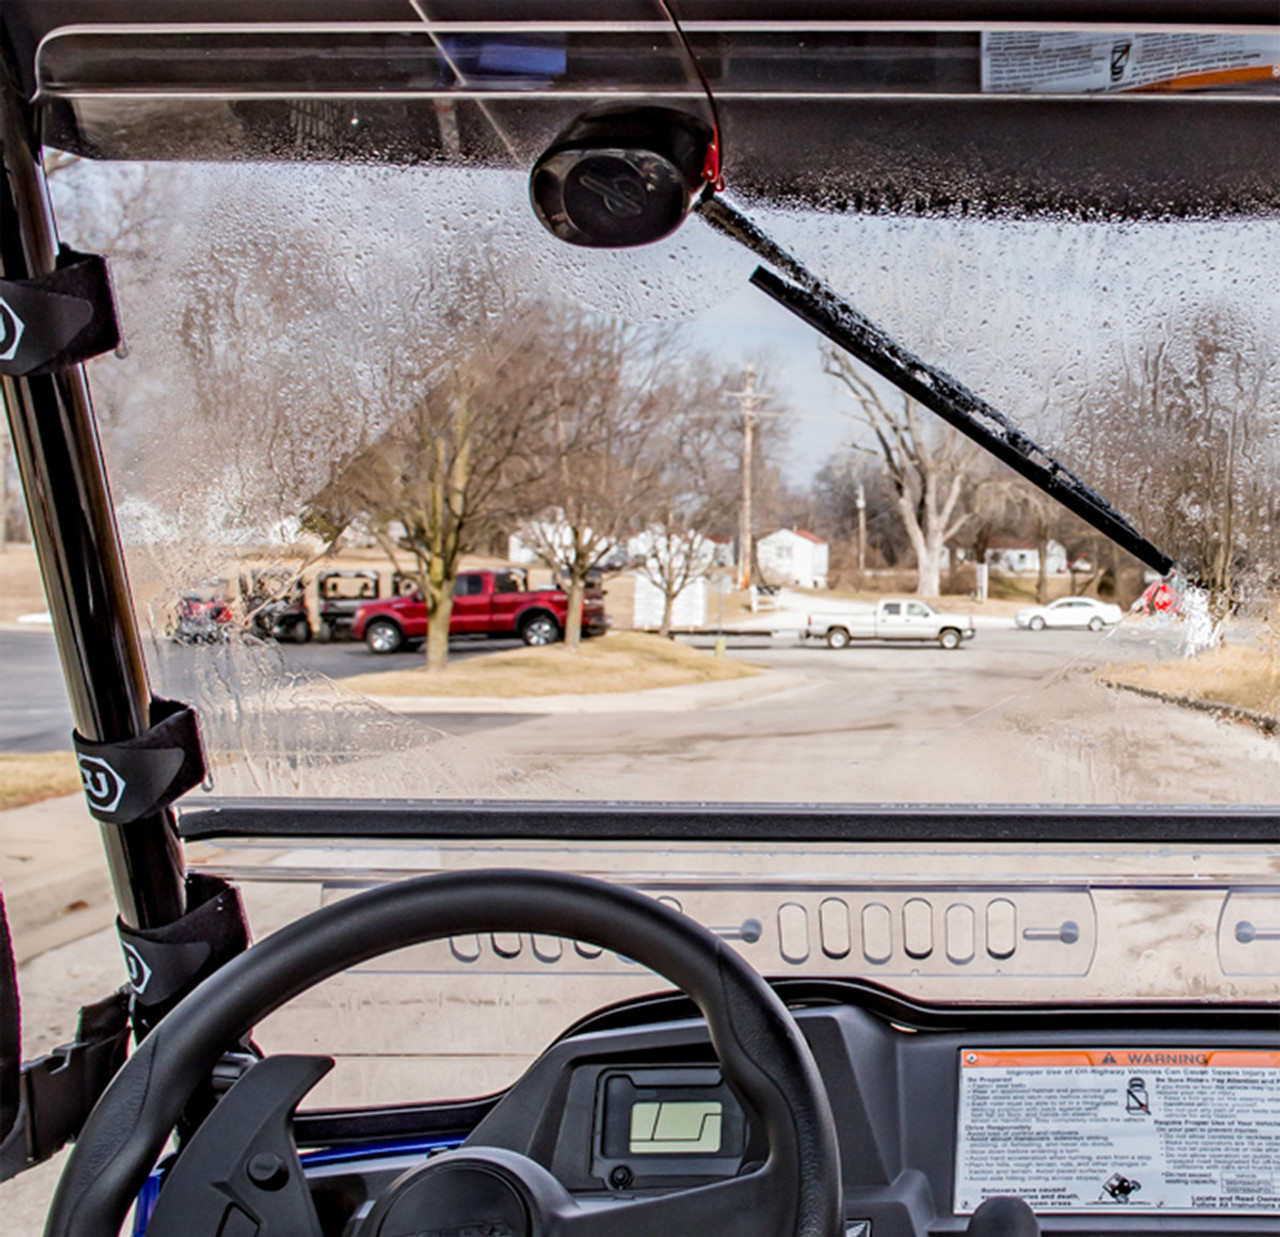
pixel 1013 716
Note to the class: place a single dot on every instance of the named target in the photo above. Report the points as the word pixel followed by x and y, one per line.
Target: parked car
pixel 203 614
pixel 1070 612
pixel 485 603
pixel 341 594
pixel 275 605
pixel 894 618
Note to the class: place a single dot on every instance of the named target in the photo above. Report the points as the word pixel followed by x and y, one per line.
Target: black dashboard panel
pixel 894 1087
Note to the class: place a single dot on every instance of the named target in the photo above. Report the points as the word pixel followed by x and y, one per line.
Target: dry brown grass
pixel 624 662
pixel 28 777
pixel 21 591
pixel 1237 675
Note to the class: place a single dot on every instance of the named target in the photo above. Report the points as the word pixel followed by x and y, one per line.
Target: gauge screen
pixel 669 1127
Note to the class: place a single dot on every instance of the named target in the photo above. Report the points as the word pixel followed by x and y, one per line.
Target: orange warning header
pixel 1123 1058
pixel 1211 78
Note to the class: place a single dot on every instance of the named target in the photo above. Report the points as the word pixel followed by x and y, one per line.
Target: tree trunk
pixel 927 543
pixel 1042 578
pixel 929 577
pixel 439 611
pixel 668 608
pixel 573 620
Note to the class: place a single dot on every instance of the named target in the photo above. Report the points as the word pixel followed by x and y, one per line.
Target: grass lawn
pixel 29 777
pixel 626 662
pixel 1237 675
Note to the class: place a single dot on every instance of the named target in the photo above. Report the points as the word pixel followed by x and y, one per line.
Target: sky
pixel 1023 313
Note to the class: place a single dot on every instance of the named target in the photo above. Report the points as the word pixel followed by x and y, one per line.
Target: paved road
pixel 35 716
pixel 872 688
pixel 1013 716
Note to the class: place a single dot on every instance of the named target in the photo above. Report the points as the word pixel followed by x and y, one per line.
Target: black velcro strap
pixel 127 781
pixel 59 1091
pixel 61 320
pixel 165 963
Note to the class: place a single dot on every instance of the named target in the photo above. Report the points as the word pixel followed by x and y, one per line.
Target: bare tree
pixel 600 461
pixel 673 559
pixel 927 464
pixel 694 491
pixel 860 535
pixel 1179 429
pixel 456 466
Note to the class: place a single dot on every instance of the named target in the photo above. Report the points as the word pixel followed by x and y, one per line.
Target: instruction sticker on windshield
pixel 1074 62
pixel 1121 1129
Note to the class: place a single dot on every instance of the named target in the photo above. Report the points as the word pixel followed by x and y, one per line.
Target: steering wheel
pixel 765 1059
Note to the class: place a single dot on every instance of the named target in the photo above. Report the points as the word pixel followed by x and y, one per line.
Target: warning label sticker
pixel 1076 62
pixel 1121 1129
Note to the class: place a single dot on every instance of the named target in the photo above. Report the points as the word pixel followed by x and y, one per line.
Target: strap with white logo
pixel 136 778
pixel 166 962
pixel 60 320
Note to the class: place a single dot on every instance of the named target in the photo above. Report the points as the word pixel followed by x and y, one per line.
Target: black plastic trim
pixel 899 1010
pixel 722 822
pixel 335 1128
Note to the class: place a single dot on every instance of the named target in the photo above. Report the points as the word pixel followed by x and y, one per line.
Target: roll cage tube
pixel 55 438
pixel 796 1193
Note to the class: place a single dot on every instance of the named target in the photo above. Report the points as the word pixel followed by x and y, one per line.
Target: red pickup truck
pixel 485 603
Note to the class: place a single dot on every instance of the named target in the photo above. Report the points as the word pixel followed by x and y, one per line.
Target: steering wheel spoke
pixel 240 1173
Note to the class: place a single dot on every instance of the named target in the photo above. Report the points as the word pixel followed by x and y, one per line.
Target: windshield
pixel 614 526
pixel 296 335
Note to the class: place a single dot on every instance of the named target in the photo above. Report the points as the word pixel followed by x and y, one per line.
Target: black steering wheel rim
pixel 762 1052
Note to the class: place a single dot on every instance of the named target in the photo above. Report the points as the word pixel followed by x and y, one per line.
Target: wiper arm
pixel 814 302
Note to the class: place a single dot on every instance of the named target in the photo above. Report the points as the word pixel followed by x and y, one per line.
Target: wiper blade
pixel 815 303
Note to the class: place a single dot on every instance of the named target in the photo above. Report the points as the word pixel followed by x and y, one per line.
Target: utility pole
pixel 750 401
pixel 862 530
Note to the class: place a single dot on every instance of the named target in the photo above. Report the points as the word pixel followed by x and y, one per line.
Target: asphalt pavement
pixel 36 716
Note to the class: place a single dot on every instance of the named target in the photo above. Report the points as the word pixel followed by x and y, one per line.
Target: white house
pixel 794 556
pixel 1019 557
pixel 552 534
pixel 689 610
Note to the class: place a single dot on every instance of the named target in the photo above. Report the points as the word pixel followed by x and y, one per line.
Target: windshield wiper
pixel 813 301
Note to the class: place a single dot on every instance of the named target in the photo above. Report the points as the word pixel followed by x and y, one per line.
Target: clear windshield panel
pixel 361 399
pixel 297 334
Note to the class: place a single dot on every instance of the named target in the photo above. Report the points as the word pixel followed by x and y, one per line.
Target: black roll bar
pixel 55 439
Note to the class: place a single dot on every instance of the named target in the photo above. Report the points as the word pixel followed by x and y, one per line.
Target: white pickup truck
pixel 894 618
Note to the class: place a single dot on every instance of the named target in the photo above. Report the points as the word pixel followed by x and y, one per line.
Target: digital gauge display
pixel 667 1127
pixel 659 1124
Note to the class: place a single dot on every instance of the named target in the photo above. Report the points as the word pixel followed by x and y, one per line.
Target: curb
pixel 1263 721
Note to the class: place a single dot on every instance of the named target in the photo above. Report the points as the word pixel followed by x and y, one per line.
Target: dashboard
pixel 1105 1120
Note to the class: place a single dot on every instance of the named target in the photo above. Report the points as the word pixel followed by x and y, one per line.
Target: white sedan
pixel 1070 612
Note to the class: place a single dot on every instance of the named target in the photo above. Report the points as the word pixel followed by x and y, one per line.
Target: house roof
pixel 804 534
